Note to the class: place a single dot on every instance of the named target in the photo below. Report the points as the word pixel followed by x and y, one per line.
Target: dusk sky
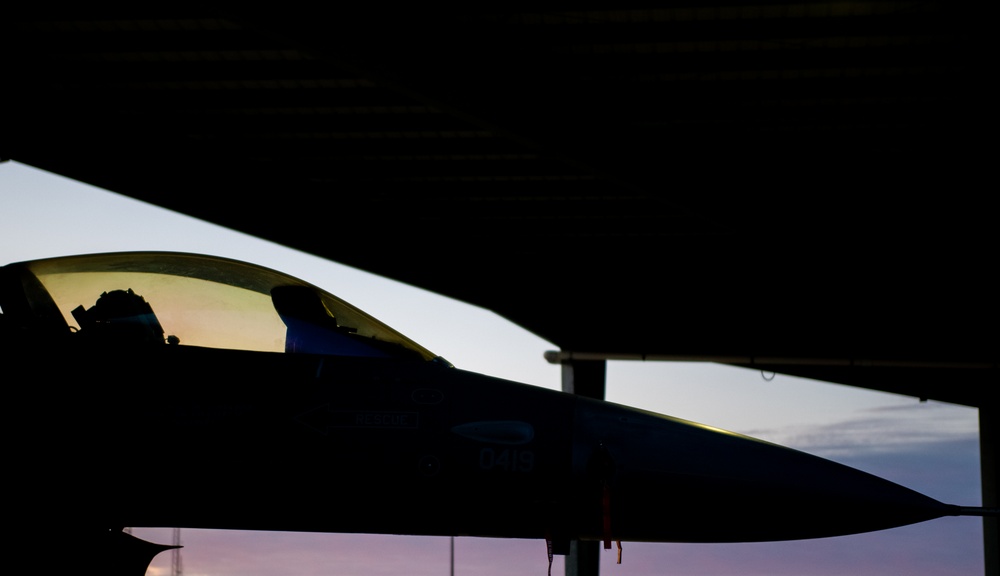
pixel 931 447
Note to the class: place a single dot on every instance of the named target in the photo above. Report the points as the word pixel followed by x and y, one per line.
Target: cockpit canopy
pixel 170 298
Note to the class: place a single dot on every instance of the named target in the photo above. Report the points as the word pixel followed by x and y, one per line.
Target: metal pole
pixel 585 378
pixel 989 429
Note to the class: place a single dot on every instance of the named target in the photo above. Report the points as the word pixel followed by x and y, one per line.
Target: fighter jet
pixel 292 410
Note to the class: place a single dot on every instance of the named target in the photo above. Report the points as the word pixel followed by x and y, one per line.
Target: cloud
pixel 932 448
pixel 883 429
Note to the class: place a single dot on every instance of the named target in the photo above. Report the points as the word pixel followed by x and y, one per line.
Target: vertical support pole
pixel 176 568
pixel 584 558
pixel 584 378
pixel 989 429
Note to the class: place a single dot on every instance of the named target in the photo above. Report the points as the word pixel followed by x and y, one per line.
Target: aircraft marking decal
pixel 507 460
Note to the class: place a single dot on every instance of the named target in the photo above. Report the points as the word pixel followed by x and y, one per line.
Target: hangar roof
pixel 796 186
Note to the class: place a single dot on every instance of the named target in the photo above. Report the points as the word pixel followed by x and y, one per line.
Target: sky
pixel 931 447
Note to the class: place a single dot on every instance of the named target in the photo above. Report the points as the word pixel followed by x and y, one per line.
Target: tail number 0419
pixel 507 459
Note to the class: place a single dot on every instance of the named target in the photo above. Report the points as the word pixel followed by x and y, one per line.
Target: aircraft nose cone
pixel 649 477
